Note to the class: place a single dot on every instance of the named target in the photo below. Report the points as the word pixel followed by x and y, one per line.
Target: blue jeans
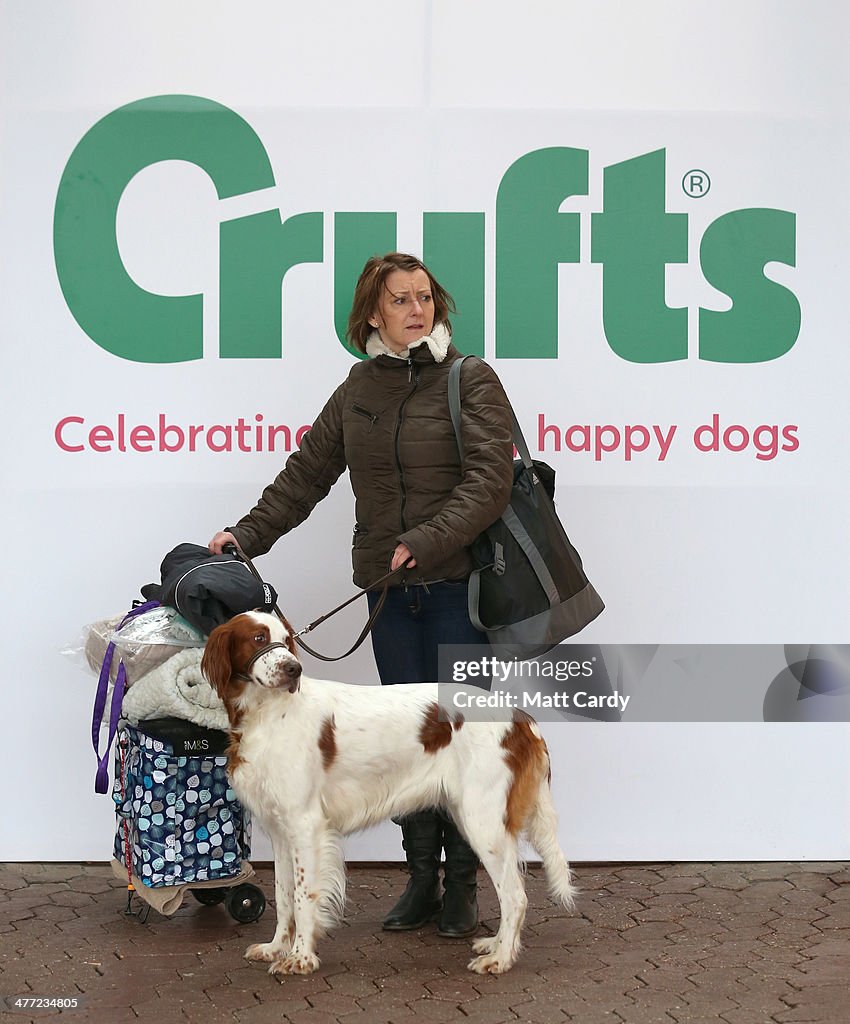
pixel 413 624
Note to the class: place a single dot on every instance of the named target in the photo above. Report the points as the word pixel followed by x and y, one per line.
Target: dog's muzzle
pixel 291 671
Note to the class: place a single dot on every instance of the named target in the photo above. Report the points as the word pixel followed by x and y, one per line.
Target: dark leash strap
pixel 383 582
pixel 367 629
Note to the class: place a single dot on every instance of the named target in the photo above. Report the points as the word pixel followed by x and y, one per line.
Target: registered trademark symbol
pixel 696 184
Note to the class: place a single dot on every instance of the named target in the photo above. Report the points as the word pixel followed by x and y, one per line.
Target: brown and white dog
pixel 315 760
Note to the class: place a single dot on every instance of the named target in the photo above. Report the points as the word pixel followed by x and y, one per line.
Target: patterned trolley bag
pixel 178 820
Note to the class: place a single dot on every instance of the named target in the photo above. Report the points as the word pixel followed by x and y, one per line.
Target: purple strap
pixel 101 782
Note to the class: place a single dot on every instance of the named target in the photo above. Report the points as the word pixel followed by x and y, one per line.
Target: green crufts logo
pixel 634 237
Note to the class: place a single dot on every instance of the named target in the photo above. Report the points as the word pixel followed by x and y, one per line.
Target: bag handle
pixel 101 781
pixel 454 412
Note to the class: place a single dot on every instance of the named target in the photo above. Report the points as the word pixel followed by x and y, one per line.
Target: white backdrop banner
pixel 659 284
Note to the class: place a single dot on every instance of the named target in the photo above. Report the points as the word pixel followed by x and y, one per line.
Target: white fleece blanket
pixel 176 688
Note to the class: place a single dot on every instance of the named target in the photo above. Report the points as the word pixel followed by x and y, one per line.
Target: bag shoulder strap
pixel 454 399
pixel 454 412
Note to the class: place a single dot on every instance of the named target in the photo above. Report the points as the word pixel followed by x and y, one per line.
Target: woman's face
pixel 405 311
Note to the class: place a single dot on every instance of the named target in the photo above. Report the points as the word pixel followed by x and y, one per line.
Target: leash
pixel 383 582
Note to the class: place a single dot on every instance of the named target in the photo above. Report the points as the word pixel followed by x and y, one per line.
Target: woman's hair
pixel 370 287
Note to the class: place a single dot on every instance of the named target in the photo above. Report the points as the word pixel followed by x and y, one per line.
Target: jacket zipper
pixel 413 377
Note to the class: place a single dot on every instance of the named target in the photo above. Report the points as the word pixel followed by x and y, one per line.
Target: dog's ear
pixel 216 663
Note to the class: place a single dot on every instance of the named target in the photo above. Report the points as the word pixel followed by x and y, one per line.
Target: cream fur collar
pixel 438 342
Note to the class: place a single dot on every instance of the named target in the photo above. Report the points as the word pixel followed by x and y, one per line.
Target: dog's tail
pixel 332 884
pixel 542 830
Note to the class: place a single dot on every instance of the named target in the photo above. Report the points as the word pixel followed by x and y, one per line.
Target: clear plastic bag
pixel 144 643
pixel 163 626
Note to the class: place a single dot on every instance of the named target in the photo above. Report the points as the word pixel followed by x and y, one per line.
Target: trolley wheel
pixel 209 897
pixel 246 903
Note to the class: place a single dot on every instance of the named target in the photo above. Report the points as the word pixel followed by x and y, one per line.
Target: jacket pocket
pixel 372 417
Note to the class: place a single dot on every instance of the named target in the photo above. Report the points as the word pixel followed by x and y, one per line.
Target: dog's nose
pixel 294 672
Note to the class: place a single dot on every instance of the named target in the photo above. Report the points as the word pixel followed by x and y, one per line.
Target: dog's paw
pixel 486 945
pixel 266 952
pixel 296 963
pixel 489 964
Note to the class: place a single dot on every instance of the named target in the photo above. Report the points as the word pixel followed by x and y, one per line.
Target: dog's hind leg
pixel 498 851
pixel 281 944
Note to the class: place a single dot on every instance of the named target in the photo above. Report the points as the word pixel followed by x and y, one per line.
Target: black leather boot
pixel 422 840
pixel 459 916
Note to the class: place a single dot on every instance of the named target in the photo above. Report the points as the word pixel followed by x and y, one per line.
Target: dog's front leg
pixel 281 944
pixel 304 840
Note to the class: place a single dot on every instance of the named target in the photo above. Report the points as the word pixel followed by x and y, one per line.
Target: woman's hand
pixel 401 555
pixel 220 540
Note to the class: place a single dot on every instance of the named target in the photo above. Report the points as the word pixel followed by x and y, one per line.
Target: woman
pixel 417 511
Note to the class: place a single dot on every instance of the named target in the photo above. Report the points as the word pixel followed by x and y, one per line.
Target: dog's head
pixel 252 649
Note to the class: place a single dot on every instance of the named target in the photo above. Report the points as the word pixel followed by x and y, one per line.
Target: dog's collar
pixel 246 675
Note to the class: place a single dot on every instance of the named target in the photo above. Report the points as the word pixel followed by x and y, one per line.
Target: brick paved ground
pixel 738 943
